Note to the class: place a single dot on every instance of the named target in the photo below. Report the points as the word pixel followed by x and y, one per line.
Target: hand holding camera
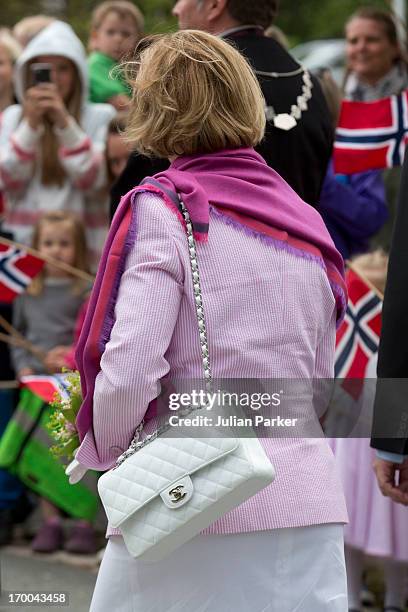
pixel 43 100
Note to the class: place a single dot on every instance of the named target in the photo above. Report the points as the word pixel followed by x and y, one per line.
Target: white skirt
pixel 283 570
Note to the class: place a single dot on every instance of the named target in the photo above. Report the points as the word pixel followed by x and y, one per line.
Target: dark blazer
pixel 390 427
pixel 300 155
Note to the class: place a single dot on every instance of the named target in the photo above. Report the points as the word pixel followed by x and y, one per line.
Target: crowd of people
pixel 79 132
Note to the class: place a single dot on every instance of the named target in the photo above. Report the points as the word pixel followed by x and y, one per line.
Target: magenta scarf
pixel 246 193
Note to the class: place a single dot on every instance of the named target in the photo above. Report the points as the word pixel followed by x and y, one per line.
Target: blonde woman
pixel 52 143
pixel 272 289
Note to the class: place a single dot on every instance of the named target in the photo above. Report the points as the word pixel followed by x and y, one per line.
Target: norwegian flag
pixel 371 135
pixel 358 336
pixel 17 270
pixel 46 386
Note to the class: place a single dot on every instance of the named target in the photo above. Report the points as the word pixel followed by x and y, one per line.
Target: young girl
pixel 46 316
pixel 115 30
pixel 52 144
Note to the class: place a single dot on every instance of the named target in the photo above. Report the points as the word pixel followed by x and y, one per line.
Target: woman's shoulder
pixel 152 209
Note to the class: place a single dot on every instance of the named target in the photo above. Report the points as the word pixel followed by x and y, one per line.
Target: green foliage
pixel 64 411
pixel 304 20
pixel 301 20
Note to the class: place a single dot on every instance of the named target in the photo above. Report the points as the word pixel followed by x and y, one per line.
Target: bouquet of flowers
pixel 62 418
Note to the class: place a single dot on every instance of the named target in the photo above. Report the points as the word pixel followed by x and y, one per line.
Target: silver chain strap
pixel 136 445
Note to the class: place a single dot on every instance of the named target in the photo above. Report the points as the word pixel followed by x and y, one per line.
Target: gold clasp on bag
pixel 177 494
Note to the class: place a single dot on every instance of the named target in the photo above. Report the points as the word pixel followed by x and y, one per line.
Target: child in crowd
pixel 115 30
pixel 377 527
pixel 117 149
pixel 52 144
pixel 25 29
pixel 46 316
pixel 9 52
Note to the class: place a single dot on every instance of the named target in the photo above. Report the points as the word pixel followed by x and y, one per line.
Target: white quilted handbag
pixel 165 490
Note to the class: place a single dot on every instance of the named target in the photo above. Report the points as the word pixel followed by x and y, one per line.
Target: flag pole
pixel 17 339
pixel 55 262
pixel 373 288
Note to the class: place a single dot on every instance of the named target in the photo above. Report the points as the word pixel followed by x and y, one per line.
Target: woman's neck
pixel 372 81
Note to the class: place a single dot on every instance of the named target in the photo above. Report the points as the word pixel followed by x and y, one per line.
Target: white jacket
pixel 81 151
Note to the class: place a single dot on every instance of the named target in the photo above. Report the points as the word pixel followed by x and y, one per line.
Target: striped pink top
pixel 270 314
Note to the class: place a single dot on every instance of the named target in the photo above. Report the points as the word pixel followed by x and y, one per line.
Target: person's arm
pixel 24 362
pixel 357 206
pixel 134 360
pixel 390 425
pixel 19 146
pixel 81 157
pixel 391 457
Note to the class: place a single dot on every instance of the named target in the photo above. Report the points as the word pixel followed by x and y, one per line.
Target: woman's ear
pixel 216 9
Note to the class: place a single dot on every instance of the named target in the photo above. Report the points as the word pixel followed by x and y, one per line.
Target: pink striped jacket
pixel 270 314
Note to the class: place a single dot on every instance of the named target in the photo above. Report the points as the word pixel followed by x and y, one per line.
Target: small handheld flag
pixel 358 337
pixel 17 270
pixel 45 386
pixel 371 135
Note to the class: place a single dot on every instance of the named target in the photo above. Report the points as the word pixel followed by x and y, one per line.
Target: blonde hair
pixel 10 44
pixel 192 93
pixel 120 7
pixel 27 28
pixel 81 260
pixel 52 171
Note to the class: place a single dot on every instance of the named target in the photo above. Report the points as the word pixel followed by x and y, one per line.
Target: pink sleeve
pixel 134 359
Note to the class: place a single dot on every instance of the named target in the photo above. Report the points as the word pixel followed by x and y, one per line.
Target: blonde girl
pixel 52 143
pixel 46 316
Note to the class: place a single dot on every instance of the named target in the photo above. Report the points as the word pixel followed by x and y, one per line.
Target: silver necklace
pixel 287 121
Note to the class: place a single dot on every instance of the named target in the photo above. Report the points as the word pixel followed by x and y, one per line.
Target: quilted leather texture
pixel 154 468
pixel 225 472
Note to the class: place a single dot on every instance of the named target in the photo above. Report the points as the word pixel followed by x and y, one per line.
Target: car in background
pixel 317 54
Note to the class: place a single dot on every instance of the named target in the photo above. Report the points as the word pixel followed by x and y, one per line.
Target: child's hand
pixel 121 102
pixel 51 104
pixel 24 372
pixel 33 110
pixel 55 359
